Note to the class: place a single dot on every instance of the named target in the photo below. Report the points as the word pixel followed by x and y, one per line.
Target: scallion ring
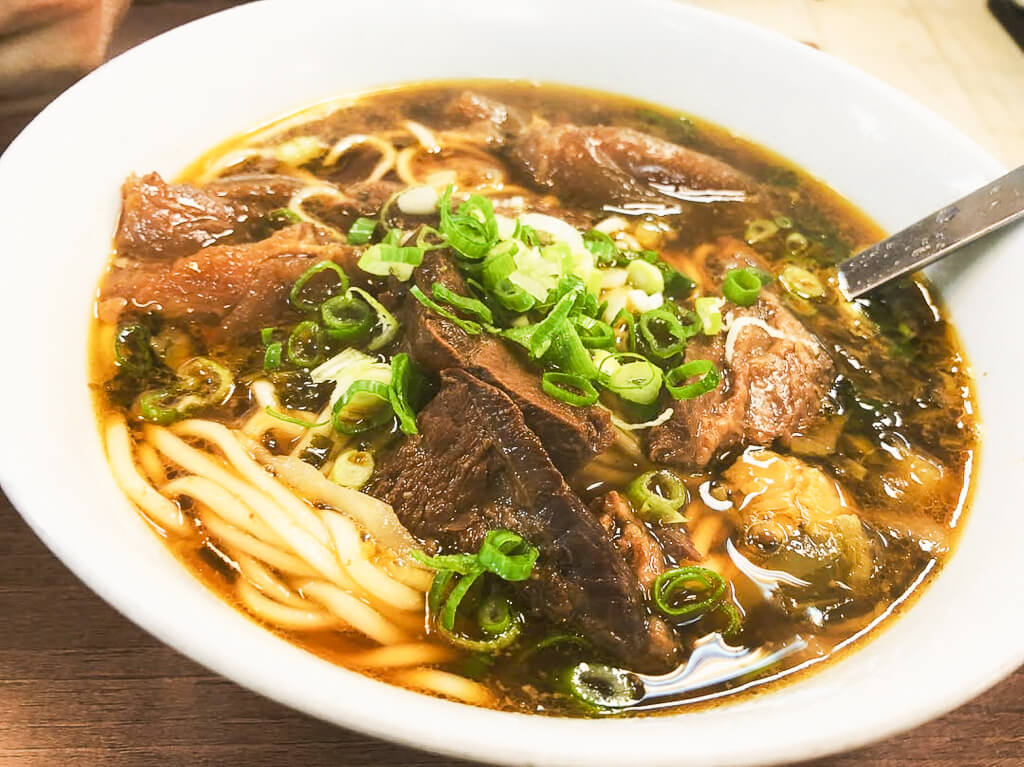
pixel 474 308
pixel 305 346
pixel 132 352
pixel 600 687
pixel 361 230
pixel 303 304
pixel 708 380
pixel 742 286
pixel 473 328
pixel 658 496
pixel 507 555
pixel 663 333
pixel 347 318
pixel 686 592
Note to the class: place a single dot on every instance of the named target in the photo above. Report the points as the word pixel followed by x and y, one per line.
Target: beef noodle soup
pixel 528 397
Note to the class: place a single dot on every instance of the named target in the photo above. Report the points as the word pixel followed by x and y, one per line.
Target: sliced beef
pixel 476 466
pixel 255 194
pixel 161 221
pixel 572 435
pixel 485 116
pixel 241 287
pixel 774 380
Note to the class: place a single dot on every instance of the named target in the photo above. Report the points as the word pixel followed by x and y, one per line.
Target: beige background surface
pixel 951 55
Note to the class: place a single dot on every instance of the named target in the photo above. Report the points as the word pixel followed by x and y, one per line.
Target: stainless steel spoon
pixel 936 236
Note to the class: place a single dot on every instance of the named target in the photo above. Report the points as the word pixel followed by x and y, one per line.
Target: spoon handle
pixel 933 237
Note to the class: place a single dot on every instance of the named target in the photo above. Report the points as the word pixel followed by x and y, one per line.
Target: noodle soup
pixel 533 398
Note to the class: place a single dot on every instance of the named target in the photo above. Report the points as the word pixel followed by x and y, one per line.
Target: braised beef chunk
pixel 476 466
pixel 573 435
pixel 240 287
pixel 255 194
pixel 161 221
pixel 486 116
pixel 775 375
pixel 599 164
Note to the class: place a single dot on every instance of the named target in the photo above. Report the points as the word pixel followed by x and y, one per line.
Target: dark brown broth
pixel 902 390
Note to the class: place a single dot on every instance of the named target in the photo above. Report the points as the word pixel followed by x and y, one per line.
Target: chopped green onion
pixel 132 352
pixel 305 345
pixel 446 620
pixel 296 421
pixel 399 392
pixel 386 323
pixel 475 308
pixel 784 222
pixel 638 381
pixel 688 591
pixel 568 354
pixel 385 258
pixel 624 328
pixel 658 496
pixel 494 615
pixel 593 333
pixel 709 310
pixel 369 389
pixel 676 377
pixel 801 282
pixel 760 229
pixel 267 335
pixel 305 305
pixel 572 389
pixel 473 230
pixel 600 687
pixel 664 335
pixel 496 643
pixel 507 555
pixel 732 616
pixel 796 243
pixel 361 230
pixel 273 356
pixel 742 286
pixel 153 407
pixel 473 328
pixel 526 234
pixel 205 382
pixel 463 564
pixel 352 468
pixel 645 276
pixel 538 338
pixel 602 246
pixel 425 244
pixel 284 215
pixel 346 318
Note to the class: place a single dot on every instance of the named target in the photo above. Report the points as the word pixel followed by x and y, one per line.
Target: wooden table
pixel 82 686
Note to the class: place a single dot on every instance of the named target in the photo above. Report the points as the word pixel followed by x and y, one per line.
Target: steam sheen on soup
pixel 533 398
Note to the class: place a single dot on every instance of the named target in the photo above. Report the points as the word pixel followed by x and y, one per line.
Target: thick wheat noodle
pixel 706 530
pixel 283 616
pixel 414 577
pixel 225 505
pixel 238 540
pixel 267 582
pixel 151 463
pixel 386 149
pixel 316 554
pixel 260 423
pixel 221 436
pixel 424 135
pixel 401 655
pixel 443 683
pixel 307 434
pixel 377 517
pixel 206 465
pixel 216 169
pixel 372 578
pixel 122 464
pixel 353 612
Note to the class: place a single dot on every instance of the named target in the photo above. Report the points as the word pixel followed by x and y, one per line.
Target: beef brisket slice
pixel 772 386
pixel 476 466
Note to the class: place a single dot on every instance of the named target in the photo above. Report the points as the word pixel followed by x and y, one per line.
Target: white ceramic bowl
pixel 160 105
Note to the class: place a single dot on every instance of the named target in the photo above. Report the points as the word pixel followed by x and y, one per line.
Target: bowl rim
pixel 426 735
